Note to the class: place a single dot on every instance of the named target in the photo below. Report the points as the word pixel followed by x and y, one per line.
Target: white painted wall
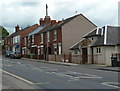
pixel 105 56
pixel 99 58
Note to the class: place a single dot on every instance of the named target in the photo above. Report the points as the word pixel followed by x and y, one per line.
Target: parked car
pixel 8 53
pixel 15 55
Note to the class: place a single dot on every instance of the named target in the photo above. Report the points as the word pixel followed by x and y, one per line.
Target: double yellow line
pixel 20 78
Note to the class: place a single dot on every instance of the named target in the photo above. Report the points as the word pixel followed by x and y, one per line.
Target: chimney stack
pixel 17 28
pixel 47 19
pixel 59 22
pixel 41 21
pixel 53 22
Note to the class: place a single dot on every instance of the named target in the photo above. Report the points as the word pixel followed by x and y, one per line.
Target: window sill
pixel 98 53
pixel 54 40
pixel 41 43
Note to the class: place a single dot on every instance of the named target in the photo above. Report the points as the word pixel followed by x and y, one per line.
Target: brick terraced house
pixel 13 42
pixel 55 38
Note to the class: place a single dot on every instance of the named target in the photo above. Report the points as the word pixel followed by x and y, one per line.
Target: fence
pixel 79 59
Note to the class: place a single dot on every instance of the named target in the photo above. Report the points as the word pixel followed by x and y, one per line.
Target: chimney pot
pixel 17 28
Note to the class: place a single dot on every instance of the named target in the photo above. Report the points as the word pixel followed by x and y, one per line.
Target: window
pixel 28 40
pixel 55 35
pixel 13 40
pixel 32 39
pixel 59 48
pixel 75 51
pixel 41 50
pixel 55 49
pixel 38 51
pixel 42 39
pixel 18 38
pixel 48 36
pixel 98 50
pixel 25 41
pixel 23 51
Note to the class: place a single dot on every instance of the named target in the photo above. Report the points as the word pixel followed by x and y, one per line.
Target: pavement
pixel 9 83
pixel 90 66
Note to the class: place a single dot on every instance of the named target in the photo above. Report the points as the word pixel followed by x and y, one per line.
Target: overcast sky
pixel 28 12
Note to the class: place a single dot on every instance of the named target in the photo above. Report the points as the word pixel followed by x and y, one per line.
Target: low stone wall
pixel 57 58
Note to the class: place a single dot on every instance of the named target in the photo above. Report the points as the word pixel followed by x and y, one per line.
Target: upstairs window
pixel 42 39
pixel 55 35
pixel 32 39
pixel 25 41
pixel 18 39
pixel 48 36
pixel 28 40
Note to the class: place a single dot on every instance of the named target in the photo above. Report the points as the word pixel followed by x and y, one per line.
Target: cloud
pixel 28 12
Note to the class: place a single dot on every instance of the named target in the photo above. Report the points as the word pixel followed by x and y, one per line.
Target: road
pixel 52 76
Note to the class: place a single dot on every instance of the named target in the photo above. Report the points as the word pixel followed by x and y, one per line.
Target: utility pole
pixel 47 54
pixel 46 10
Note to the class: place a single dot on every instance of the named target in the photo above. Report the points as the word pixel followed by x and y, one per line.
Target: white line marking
pixel 109 84
pixel 18 77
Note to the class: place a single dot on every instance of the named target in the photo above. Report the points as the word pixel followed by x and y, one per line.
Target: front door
pixel 84 55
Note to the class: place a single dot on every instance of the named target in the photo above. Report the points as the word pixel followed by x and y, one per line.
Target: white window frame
pixel 76 52
pixel 38 51
pixel 25 41
pixel 55 48
pixel 48 36
pixel 98 50
pixel 55 35
pixel 59 48
pixel 33 39
pixel 28 40
pixel 42 38
pixel 18 38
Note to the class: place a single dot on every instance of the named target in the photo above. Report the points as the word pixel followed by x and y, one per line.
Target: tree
pixel 3 32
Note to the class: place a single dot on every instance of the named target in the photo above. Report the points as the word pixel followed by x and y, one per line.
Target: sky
pixel 28 12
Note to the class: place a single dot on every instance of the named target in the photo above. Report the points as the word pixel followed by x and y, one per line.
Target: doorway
pixel 84 55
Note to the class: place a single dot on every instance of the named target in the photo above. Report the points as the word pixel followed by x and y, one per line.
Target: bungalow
pixel 100 43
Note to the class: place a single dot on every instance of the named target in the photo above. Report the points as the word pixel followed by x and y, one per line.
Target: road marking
pixel 109 84
pixel 7 65
pixel 48 72
pixel 20 78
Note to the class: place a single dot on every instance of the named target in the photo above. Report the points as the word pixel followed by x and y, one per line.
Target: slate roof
pixel 66 21
pixel 94 32
pixel 76 46
pixel 18 33
pixel 110 37
pixel 35 31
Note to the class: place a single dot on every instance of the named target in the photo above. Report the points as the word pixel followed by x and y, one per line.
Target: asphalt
pixel 90 66
pixel 54 76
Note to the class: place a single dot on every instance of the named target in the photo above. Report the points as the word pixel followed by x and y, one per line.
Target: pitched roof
pixel 94 32
pixel 76 46
pixel 66 21
pixel 35 31
pixel 109 38
pixel 18 32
